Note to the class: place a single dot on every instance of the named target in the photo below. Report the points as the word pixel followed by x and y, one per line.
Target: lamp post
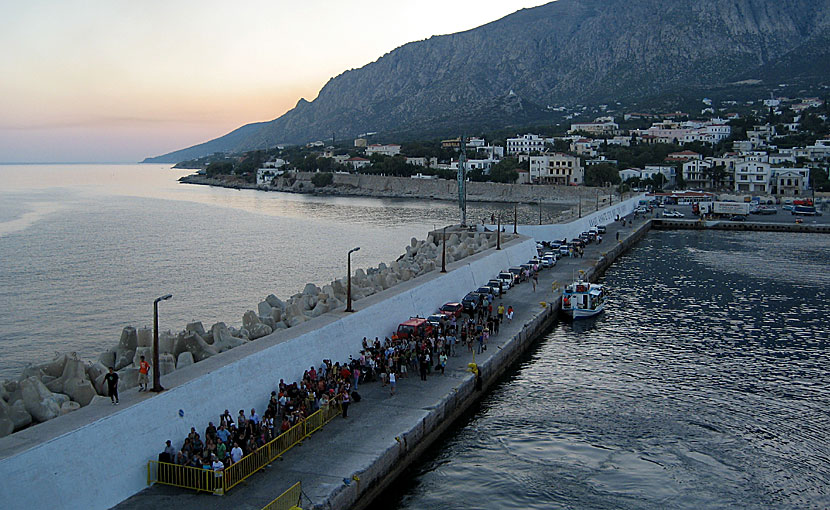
pixel 156 372
pixel 444 251
pixel 515 214
pixel 349 284
pixel 498 234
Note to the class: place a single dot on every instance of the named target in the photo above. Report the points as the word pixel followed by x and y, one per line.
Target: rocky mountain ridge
pixel 564 52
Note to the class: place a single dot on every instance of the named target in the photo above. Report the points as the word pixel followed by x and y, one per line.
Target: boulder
pixel 127 378
pixel 128 340
pixel 19 415
pixel 96 372
pixel 249 319
pixel 123 359
pixel 107 358
pixel 147 352
pixel 74 382
pixel 280 325
pixel 184 360
pixel 196 327
pixel 194 344
pixel 167 364
pixel 38 400
pixel 145 337
pixel 275 302
pixel 167 342
pixel 276 314
pixel 6 423
pixel 311 290
pixel 264 309
pixel 259 330
pixel 223 338
pixel 68 407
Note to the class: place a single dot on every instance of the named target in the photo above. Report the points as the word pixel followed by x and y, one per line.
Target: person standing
pixel 143 370
pixel 236 453
pixel 392 381
pixel 112 385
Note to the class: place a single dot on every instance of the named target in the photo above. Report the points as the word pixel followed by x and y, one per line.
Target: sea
pixel 85 249
pixel 704 384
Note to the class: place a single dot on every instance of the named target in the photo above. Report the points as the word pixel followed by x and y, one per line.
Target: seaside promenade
pixel 351 461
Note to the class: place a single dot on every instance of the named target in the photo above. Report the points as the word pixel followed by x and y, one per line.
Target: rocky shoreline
pixel 48 390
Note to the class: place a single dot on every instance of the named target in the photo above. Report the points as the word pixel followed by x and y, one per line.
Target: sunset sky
pixel 116 81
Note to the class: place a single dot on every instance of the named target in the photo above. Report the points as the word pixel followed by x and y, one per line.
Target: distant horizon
pixel 163 82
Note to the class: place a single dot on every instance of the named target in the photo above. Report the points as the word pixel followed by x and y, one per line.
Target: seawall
pixel 384 186
pixel 96 457
pixel 749 226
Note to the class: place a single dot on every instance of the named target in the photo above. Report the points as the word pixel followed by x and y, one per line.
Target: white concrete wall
pixel 573 229
pixel 96 457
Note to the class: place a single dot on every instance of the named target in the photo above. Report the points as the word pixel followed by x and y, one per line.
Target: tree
pixel 505 171
pixel 322 179
pixel 716 175
pixel 219 168
pixel 599 175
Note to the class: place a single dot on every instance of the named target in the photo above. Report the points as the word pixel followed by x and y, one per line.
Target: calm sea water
pixel 84 250
pixel 703 385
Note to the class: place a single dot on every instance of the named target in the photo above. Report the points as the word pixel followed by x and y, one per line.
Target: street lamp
pixel 349 281
pixel 444 251
pixel 156 372
pixel 498 234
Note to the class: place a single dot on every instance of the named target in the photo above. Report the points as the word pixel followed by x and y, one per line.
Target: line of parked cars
pixel 472 302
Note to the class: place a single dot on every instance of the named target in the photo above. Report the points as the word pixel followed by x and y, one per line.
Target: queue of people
pixel 230 438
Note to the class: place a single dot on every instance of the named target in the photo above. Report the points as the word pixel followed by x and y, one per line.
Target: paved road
pixel 781 216
pixel 348 446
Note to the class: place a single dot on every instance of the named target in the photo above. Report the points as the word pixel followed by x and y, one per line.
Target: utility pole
pixel 515 213
pixel 462 182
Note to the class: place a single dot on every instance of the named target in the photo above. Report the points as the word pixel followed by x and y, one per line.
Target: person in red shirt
pixel 143 370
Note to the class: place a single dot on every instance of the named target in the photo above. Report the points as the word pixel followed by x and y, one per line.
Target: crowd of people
pixel 230 438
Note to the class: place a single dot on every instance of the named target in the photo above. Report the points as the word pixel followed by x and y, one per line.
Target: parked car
pixel 451 309
pixel 601 229
pixel 673 214
pixel 471 302
pixel 414 326
pixel 564 250
pixel 641 209
pixel 548 261
pixel 498 284
pixel 737 217
pixel 508 277
pixel 767 209
pixel 438 321
pixel 518 271
pixel 488 291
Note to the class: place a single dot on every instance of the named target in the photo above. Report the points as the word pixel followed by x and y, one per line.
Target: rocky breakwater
pixel 46 391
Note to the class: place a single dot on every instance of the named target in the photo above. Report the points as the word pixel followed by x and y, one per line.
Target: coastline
pixel 378 186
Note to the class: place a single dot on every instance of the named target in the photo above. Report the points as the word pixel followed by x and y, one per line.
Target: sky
pixel 117 81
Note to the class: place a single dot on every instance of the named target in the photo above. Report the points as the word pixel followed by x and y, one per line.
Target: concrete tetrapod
pixel 41 403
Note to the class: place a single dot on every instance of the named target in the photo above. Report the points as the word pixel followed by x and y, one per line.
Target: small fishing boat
pixel 583 299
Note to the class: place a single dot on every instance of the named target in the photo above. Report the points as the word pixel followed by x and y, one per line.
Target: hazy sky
pixel 112 80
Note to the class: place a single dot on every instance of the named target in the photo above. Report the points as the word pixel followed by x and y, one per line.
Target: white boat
pixel 583 299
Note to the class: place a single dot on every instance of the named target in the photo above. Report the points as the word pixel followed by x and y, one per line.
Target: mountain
pixel 565 52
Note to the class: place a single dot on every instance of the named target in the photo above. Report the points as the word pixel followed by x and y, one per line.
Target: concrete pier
pixel 749 226
pixel 351 461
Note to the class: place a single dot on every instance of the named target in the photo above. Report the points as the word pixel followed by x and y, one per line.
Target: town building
pixel 556 168
pixel 595 128
pixel 357 162
pixel 385 150
pixel 525 144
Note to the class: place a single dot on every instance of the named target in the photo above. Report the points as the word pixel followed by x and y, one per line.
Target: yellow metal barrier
pixel 220 482
pixel 287 500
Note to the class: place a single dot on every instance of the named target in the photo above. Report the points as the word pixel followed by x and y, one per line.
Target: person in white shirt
pixel 392 381
pixel 254 417
pixel 236 453
pixel 217 466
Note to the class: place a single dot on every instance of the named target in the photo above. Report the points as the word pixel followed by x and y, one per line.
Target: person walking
pixel 509 314
pixel 345 400
pixel 392 381
pixel 112 385
pixel 143 370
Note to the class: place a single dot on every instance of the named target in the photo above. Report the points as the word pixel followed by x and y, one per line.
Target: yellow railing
pixel 220 482
pixel 287 500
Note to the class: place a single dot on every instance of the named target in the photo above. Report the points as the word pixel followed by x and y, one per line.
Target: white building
pixel 753 177
pixel 597 128
pixel 668 172
pixel 790 182
pixel 694 173
pixel 357 162
pixel 525 144
pixel 386 150
pixel 557 168
pixel 630 173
